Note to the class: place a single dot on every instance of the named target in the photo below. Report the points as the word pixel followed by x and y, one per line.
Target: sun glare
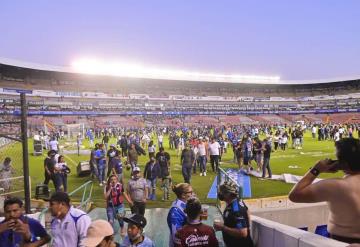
pixel 98 67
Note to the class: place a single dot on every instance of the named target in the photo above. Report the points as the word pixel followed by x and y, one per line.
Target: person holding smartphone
pixel 114 195
pixel 341 194
pixel 18 230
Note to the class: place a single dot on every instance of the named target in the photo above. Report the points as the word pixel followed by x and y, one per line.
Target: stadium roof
pixel 168 75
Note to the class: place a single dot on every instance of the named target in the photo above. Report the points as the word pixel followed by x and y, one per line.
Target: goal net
pixel 74 130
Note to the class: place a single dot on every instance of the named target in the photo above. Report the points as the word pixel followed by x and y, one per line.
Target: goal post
pixel 73 130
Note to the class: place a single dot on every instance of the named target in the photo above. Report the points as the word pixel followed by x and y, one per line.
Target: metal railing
pixel 223 176
pixel 86 195
pixel 14 188
pixel 85 202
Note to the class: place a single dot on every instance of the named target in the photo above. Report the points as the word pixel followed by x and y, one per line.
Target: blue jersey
pixel 100 155
pixel 10 238
pixel 176 218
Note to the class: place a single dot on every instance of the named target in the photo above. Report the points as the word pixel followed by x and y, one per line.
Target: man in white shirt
pixel 313 132
pixel 160 140
pixel 214 151
pixel 54 144
pixel 69 225
pixel 341 132
pixel 203 153
pixel 337 136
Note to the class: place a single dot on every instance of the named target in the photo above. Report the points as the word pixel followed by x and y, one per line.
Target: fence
pixel 14 150
pixel 223 176
pixel 85 202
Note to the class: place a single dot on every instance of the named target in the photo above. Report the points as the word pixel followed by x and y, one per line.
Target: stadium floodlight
pixel 98 67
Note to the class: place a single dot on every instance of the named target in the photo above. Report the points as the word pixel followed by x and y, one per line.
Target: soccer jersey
pixel 195 234
pixel 235 216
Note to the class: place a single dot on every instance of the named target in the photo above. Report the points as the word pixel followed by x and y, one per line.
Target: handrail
pixel 13 191
pixel 220 173
pixel 85 200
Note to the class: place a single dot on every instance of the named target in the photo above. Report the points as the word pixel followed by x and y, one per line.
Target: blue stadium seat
pixel 322 231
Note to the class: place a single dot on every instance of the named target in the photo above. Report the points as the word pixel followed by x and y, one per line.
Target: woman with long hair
pixel 63 171
pixel 114 196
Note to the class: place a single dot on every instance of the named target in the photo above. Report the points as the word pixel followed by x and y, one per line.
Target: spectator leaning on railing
pixel 341 194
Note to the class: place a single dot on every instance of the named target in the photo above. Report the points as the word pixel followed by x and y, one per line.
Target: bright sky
pixel 307 39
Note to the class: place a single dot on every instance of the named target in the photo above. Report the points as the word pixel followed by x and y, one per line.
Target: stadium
pixel 73 103
pixel 181 124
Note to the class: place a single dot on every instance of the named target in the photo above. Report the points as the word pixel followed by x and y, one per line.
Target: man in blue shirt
pixel 101 164
pixel 19 230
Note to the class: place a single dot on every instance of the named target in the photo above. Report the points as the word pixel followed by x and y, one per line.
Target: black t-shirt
pixel 163 160
pixel 50 164
pixel 267 151
pixel 258 146
pixel 235 216
pixel 105 139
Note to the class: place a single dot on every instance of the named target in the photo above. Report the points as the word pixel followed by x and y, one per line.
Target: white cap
pixel 136 169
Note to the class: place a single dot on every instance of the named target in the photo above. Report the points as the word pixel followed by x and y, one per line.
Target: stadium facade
pixel 54 91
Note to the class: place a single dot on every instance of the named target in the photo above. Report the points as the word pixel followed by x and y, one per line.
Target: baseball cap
pixel 136 169
pixel 136 219
pixel 97 231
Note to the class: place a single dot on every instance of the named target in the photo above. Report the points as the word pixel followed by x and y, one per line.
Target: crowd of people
pixel 196 147
pixel 73 227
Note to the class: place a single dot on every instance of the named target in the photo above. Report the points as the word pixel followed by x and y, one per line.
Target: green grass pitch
pixel 312 151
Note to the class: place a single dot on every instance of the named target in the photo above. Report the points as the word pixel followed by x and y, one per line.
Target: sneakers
pixel 201 174
pixel 204 174
pixel 100 184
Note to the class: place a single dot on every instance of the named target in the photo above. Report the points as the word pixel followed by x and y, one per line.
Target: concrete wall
pixel 301 215
pixel 268 233
pixel 282 210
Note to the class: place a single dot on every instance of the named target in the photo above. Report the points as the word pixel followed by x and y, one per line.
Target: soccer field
pixel 312 151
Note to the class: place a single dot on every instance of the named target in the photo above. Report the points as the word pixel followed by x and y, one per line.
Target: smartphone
pixel 336 165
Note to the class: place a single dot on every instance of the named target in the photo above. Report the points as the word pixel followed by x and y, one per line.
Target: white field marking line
pixel 72 161
pixel 311 154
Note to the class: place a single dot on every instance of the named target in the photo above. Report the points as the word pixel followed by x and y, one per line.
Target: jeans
pixel 57 180
pixel 101 173
pixel 202 162
pixel 94 170
pixel 194 166
pixel 186 172
pixel 152 188
pixel 266 165
pixel 214 160
pixel 166 187
pixel 63 179
pixel 112 211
